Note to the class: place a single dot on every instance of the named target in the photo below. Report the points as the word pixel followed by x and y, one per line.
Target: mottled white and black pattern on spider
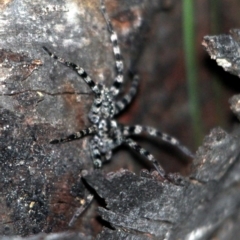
pixel 106 132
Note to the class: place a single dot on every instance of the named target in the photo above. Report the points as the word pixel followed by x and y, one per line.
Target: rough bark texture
pixel 201 207
pixel 41 184
pixel 225 50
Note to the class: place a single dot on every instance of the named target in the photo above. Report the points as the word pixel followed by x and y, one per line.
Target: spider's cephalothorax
pixel 106 133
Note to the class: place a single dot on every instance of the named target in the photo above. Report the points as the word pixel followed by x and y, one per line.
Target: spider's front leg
pixel 127 99
pixel 118 80
pixel 80 71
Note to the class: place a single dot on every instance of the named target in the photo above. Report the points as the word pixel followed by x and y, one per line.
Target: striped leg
pixel 94 112
pixel 116 51
pixel 137 129
pixel 95 154
pixel 75 136
pixel 146 154
pixel 123 103
pixel 80 71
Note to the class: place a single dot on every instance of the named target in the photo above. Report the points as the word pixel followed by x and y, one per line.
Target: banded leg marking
pixel 138 129
pixel 118 80
pixel 95 154
pixel 94 112
pixel 80 71
pixel 146 154
pixel 75 136
pixel 127 99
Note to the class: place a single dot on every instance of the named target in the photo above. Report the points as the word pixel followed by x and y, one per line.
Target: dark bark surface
pixel 41 184
pixel 204 206
pixel 201 207
pixel 225 50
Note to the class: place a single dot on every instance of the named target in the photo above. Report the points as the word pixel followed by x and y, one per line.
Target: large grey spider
pixel 106 132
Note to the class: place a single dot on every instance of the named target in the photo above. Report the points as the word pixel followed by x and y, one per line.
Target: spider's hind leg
pixel 146 154
pixel 138 129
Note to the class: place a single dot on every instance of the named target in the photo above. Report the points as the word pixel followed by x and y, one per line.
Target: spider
pixel 106 132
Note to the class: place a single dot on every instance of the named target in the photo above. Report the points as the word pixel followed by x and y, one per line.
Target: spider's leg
pixel 146 154
pixel 76 135
pixel 123 103
pixel 96 106
pixel 138 129
pixel 81 209
pixel 95 154
pixel 80 71
pixel 116 51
